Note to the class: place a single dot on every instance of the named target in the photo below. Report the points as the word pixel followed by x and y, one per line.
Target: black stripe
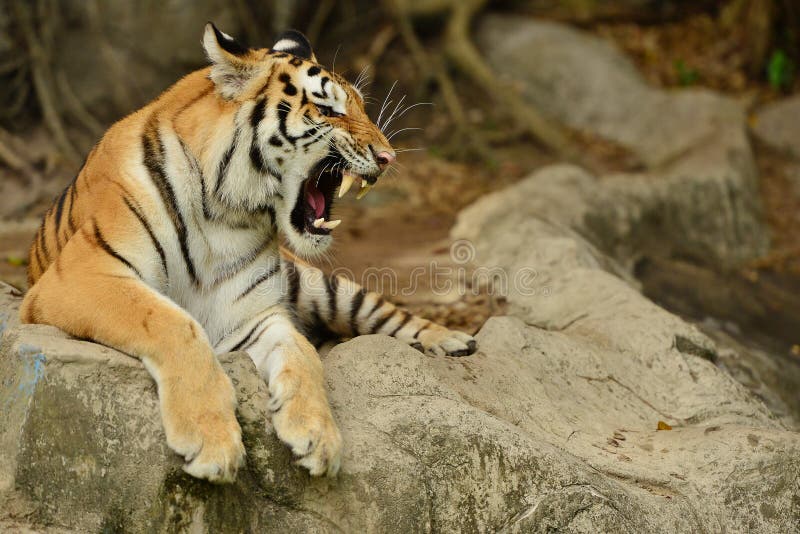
pixel 60 209
pixel 72 195
pixel 41 263
pixel 269 274
pixel 154 161
pixel 283 113
pixel 427 325
pixel 402 323
pixel 331 284
pixel 258 113
pixel 257 337
pixel 111 252
pixel 42 242
pixel 247 337
pixel 196 168
pixel 358 300
pixel 222 170
pixel 153 238
pixel 203 200
pixel 294 284
pixel 378 303
pixel 257 159
pixel 324 132
pixel 382 321
pixel 236 267
pixel 271 76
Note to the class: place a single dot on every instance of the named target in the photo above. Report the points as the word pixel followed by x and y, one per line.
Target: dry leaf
pixel 663 426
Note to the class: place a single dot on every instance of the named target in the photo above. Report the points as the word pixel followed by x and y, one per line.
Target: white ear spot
pixel 285 44
pixel 295 43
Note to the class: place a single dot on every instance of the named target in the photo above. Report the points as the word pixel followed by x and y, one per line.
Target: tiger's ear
pixel 230 67
pixel 295 43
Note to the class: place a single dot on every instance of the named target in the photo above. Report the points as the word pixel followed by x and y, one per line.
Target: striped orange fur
pixel 166 247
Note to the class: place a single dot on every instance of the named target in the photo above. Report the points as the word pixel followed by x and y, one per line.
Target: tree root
pixel 459 51
pixel 10 148
pixel 465 138
pixel 42 76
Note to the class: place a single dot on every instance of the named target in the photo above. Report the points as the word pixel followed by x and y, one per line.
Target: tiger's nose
pixel 384 158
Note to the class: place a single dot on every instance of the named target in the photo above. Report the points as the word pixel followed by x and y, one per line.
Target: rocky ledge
pixel 587 409
pixel 553 424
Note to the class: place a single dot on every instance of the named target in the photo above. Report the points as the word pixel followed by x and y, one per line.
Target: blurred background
pixel 685 109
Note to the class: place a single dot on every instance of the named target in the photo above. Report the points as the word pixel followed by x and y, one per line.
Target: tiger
pixel 185 235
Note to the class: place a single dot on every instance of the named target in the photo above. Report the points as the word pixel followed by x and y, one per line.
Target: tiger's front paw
pixel 302 419
pixel 441 341
pixel 200 424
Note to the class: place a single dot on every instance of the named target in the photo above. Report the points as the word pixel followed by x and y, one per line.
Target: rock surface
pixel 778 125
pixel 692 143
pixel 551 425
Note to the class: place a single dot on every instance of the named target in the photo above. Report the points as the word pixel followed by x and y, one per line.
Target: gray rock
pixel 550 426
pixel 627 216
pixel 778 125
pixel 698 193
pixel 134 53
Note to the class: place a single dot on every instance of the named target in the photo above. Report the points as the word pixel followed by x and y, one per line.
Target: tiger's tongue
pixel 315 199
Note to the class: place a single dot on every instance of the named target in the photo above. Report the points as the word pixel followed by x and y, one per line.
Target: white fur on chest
pixel 228 262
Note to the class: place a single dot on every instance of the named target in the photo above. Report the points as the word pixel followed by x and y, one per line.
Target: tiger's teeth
pixel 365 187
pixel 319 222
pixel 347 181
pixel 330 225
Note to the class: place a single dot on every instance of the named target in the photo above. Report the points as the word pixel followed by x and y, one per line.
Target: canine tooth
pixel 319 222
pixel 365 187
pixel 347 181
pixel 330 225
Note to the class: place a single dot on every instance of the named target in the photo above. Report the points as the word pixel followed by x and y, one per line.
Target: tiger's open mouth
pixel 312 210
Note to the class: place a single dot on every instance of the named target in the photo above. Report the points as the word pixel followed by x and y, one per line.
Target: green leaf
pixel 686 75
pixel 780 70
pixel 16 261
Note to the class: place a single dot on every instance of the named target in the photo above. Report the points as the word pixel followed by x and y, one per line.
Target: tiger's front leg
pixel 93 291
pixel 298 402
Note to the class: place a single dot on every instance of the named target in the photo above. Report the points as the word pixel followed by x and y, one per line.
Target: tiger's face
pixel 311 139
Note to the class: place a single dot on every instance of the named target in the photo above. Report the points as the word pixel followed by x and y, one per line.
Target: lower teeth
pixel 328 225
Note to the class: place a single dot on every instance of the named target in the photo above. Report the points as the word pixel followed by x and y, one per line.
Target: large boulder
pixel 552 425
pixel 697 192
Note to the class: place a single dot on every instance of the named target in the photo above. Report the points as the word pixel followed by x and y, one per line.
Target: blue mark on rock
pixel 33 368
pixel 32 371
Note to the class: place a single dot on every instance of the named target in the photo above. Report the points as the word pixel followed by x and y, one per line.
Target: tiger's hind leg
pixel 346 309
pixel 92 290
